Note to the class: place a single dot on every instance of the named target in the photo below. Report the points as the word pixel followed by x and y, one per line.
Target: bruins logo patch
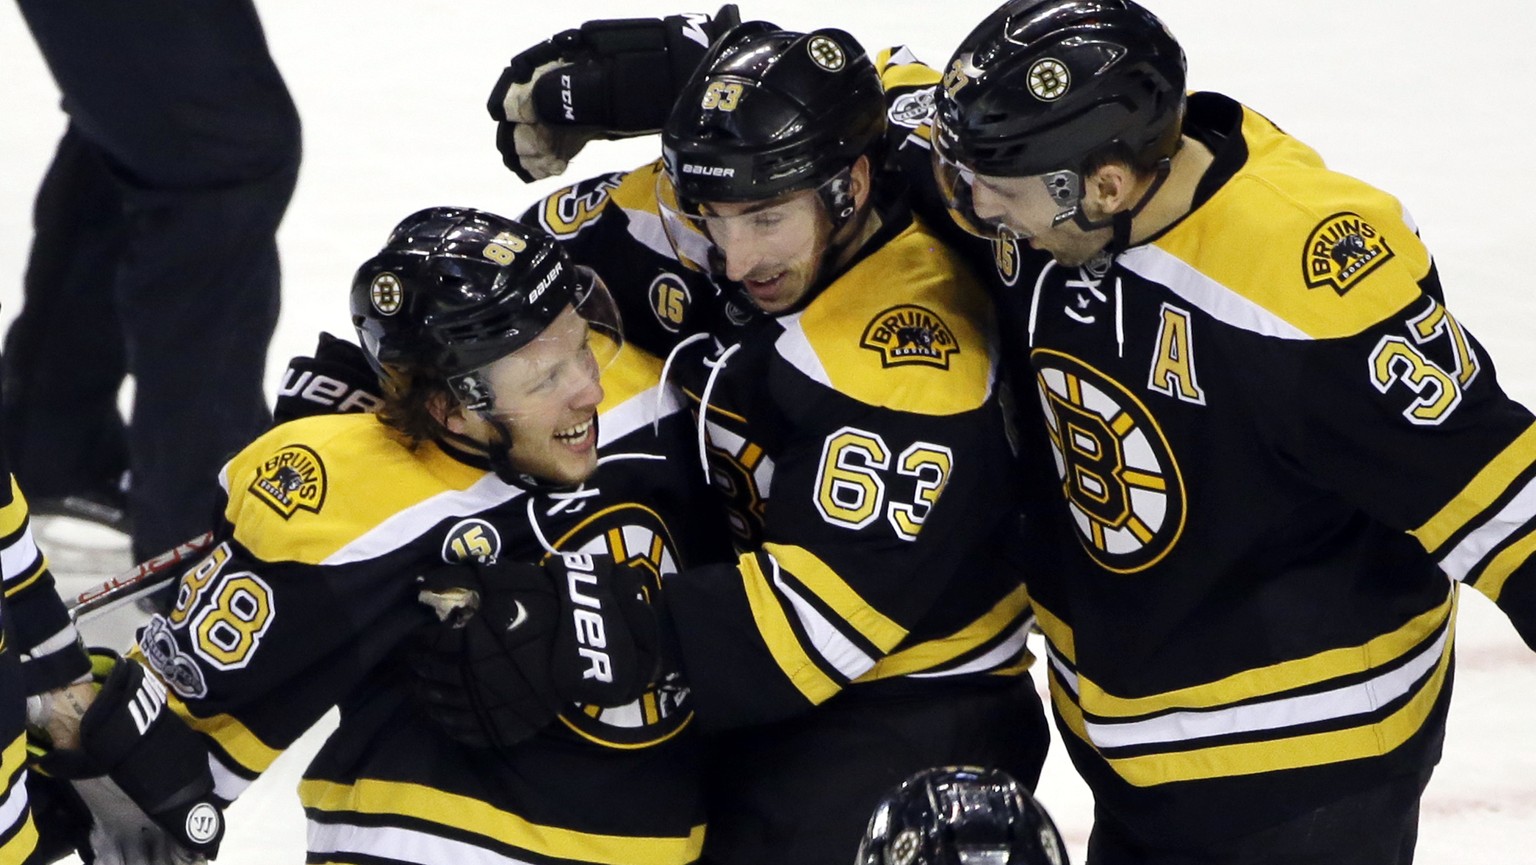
pixel 385 294
pixel 1122 484
pixel 634 536
pixel 910 334
pixel 291 480
pixel 1343 250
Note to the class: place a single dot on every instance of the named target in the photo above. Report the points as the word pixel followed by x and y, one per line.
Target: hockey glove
pixel 140 772
pixel 337 380
pixel 482 670
pixel 606 649
pixel 607 79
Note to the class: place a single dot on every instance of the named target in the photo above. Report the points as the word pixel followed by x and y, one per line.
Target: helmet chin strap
pixel 476 396
pixel 1120 223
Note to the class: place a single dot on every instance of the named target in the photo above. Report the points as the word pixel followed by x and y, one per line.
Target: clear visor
pixel 1006 207
pixel 557 368
pixel 701 234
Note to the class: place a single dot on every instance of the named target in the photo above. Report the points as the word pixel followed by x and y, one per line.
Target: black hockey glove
pixel 607 648
pixel 482 670
pixel 140 772
pixel 337 380
pixel 606 79
pixel 515 643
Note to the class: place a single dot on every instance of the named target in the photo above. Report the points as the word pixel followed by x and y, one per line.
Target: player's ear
pixel 1111 188
pixel 448 412
pixel 859 182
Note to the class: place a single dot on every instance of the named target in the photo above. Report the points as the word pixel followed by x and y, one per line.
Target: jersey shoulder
pixel 1288 246
pixel 310 487
pixel 907 328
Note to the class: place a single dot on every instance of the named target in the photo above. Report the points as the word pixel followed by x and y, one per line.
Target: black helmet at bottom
pixel 960 815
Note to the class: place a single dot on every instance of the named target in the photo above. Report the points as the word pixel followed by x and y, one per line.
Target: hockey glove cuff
pixel 606 649
pixel 141 771
pixel 337 380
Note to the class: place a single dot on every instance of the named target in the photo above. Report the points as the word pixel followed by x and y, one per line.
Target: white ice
pixel 1428 101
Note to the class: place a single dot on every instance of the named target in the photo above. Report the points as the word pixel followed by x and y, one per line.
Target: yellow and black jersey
pixel 860 450
pixel 39 651
pixel 1279 455
pixel 306 600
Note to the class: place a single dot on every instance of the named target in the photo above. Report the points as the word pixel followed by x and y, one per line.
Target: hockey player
pixel 836 356
pixel 960 815
pixel 484 453
pixel 1280 453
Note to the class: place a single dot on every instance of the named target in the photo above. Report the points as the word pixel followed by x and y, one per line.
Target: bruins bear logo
pixel 910 334
pixel 291 480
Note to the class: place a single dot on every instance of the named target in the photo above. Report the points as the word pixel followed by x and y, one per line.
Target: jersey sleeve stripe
pixel 832 590
pixel 243 746
pixel 13 766
pixel 1491 581
pixel 832 645
pixel 930 654
pixel 63 639
pixel 1519 513
pixel 779 636
pixel 13 514
pixel 458 812
pixel 1487 487
pixel 21 562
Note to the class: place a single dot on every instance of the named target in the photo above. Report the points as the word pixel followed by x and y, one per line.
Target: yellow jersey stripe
pixel 13 515
pixel 1295 752
pixel 833 591
pixel 1276 678
pixel 242 745
pixel 458 812
pixel 773 626
pixel 1491 582
pixel 931 653
pixel 1478 495
pixel 1057 632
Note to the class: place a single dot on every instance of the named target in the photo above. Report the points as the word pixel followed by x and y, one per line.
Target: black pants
pixel 802 791
pixel 154 256
pixel 1377 827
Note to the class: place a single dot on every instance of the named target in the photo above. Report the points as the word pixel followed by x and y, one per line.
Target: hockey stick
pixel 144 578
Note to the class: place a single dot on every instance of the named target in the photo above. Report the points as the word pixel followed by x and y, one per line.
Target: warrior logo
pixel 635 537
pixel 910 334
pixel 385 294
pixel 291 480
pixel 1119 477
pixel 826 53
pixel 1343 250
pixel 1049 79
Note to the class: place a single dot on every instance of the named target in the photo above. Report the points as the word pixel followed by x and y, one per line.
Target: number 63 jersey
pixel 1279 453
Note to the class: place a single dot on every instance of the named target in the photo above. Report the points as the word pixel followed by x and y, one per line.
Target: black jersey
pixel 310 592
pixel 1279 454
pixel 860 451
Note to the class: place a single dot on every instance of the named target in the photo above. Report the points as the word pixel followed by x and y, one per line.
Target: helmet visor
pixel 556 367
pixel 702 233
pixel 1005 207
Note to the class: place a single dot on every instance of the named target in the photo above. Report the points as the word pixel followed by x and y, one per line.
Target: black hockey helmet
pixel 1045 87
pixel 1042 85
pixel 960 815
pixel 454 289
pixel 771 111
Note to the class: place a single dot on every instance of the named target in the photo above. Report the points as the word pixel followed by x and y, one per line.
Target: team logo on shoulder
pixel 1049 79
pixel 1341 251
pixel 911 109
pixel 910 334
pixel 567 212
pixel 1005 256
pixel 636 537
pixel 291 480
pixel 1120 479
pixel 826 53
pixel 473 539
pixel 385 294
pixel 670 300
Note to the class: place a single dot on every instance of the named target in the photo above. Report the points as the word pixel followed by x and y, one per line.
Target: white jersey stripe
pixel 1215 299
pixel 826 639
pixel 1474 548
pixel 406 845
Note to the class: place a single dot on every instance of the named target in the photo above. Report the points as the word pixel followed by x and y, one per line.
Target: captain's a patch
pixel 910 334
pixel 291 480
